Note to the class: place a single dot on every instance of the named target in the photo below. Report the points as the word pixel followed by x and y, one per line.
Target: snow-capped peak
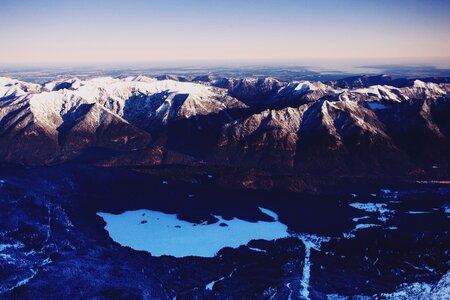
pixel 420 84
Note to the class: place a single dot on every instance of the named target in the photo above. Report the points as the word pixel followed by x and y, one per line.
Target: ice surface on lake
pixel 269 213
pixel 164 234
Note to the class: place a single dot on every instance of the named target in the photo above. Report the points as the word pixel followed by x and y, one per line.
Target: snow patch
pixel 304 87
pixel 310 241
pixel 417 212
pixel 440 290
pixel 446 209
pixel 360 218
pixel 256 249
pixel 384 214
pixel 23 281
pixel 16 245
pixel 364 226
pixel 348 235
pixel 392 228
pixel 210 285
pixel 419 84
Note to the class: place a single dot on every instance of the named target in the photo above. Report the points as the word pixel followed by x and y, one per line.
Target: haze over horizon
pixel 162 33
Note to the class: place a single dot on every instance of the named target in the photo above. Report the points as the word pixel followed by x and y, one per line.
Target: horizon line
pixel 330 64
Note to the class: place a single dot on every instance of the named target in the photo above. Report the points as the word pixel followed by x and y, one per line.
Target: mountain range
pixel 356 126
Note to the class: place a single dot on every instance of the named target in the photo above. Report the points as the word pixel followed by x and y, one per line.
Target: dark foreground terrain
pixel 53 245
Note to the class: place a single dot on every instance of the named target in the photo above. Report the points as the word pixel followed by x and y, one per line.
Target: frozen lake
pixel 164 234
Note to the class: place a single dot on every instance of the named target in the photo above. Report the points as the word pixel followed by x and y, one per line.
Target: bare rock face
pixel 343 135
pixel 98 127
pixel 267 139
pixel 341 127
pixel 252 91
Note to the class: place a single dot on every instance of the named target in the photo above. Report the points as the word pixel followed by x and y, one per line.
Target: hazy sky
pixel 126 31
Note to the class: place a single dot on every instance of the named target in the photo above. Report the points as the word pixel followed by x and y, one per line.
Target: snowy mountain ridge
pixel 250 122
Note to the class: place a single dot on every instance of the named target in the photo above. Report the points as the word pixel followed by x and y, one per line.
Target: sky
pixel 52 32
